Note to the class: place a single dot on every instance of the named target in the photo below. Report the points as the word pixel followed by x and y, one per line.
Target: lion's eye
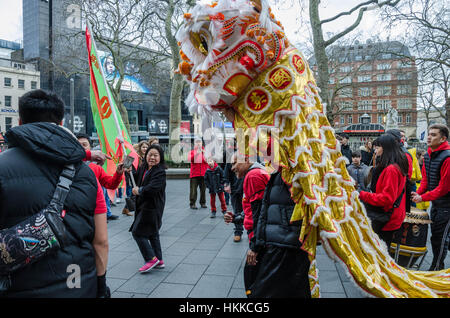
pixel 203 44
pixel 200 40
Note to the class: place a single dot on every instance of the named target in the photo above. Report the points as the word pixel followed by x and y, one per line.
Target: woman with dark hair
pixel 387 188
pixel 150 200
pixel 367 153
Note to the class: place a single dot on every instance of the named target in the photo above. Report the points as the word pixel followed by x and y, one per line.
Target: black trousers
pixel 197 182
pixel 386 236
pixel 440 236
pixel 236 203
pixel 279 273
pixel 149 246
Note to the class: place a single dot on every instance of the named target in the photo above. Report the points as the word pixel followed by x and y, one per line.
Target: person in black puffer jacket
pixel 283 265
pixel 29 171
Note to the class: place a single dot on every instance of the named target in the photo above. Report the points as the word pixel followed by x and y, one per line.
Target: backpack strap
pixel 62 189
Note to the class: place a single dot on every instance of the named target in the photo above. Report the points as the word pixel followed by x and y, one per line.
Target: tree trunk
pixel 177 83
pixel 447 111
pixel 321 57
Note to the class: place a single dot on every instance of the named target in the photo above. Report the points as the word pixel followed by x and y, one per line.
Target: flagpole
pixel 119 130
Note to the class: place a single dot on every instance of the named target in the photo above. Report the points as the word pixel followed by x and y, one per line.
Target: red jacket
pixel 198 163
pixel 389 186
pixel 444 184
pixel 108 182
pixel 255 182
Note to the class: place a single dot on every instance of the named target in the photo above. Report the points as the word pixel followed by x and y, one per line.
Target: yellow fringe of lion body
pixel 285 96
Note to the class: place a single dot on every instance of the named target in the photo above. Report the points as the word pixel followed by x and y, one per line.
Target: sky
pixel 287 11
pixel 11 20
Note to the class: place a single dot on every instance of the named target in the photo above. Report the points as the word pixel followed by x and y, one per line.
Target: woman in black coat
pixel 150 200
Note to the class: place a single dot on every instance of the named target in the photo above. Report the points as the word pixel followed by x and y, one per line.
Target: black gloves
pixel 102 290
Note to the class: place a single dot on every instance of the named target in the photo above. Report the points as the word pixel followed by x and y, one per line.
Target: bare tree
pixel 427 31
pixel 120 26
pixel 320 44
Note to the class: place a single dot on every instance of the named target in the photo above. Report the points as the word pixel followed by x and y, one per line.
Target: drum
pixel 412 237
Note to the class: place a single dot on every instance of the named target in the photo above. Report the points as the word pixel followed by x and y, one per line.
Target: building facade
pixel 370 79
pixel 16 78
pixel 48 26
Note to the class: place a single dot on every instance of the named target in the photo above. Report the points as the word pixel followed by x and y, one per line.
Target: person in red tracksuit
pixel 387 185
pixel 197 174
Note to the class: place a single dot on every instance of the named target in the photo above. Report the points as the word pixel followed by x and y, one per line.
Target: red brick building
pixel 370 79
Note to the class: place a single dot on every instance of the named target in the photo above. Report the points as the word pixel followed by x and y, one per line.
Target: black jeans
pixel 196 182
pixel 236 203
pixel 149 246
pixel 440 236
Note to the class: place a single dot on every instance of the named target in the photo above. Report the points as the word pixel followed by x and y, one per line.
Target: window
pixel 400 119
pixel 364 105
pixel 7 82
pixel 19 66
pixel 346 106
pixel 385 66
pixel 386 56
pixel 33 84
pixel 346 80
pixel 342 120
pixel 364 78
pixel 21 84
pixel 345 92
pixel 384 90
pixel 8 123
pixel 403 76
pixel 383 77
pixel 404 89
pixel 383 104
pixel 8 101
pixel 364 91
pixel 408 118
pixel 345 69
pixel 365 67
pixel 350 119
pixel 358 58
pixel 404 103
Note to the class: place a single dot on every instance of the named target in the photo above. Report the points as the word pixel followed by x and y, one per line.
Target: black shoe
pixel 112 217
pixel 204 206
pixel 193 207
pixel 213 215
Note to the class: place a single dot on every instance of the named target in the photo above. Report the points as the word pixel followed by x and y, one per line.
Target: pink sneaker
pixel 149 265
pixel 160 264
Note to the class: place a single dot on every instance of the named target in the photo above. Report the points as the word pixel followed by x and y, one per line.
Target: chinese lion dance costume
pixel 237 59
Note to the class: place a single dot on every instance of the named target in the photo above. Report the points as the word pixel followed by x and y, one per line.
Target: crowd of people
pixel 388 178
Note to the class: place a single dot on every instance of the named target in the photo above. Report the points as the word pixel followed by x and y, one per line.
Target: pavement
pixel 201 258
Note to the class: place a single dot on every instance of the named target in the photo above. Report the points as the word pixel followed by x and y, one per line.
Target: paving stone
pixel 329 282
pixel 166 290
pixel 210 244
pixel 212 286
pixel 180 248
pixel 144 283
pixel 200 257
pixel 237 293
pixel 124 270
pixel 186 274
pixel 127 295
pixel 224 266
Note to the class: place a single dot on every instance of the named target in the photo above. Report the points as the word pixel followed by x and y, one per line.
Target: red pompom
pixel 247 61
